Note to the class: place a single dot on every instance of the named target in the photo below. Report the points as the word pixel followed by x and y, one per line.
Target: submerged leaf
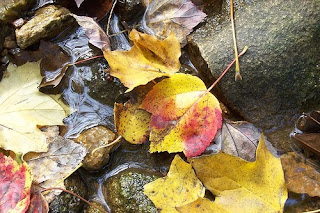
pixel 148 59
pixel 23 107
pixel 178 16
pixel 15 184
pixel 179 187
pixel 300 177
pixel 185 117
pixel 242 186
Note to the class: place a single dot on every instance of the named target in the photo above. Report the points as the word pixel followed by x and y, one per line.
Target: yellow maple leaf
pixel 131 122
pixel 180 187
pixel 240 186
pixel 149 58
pixel 23 107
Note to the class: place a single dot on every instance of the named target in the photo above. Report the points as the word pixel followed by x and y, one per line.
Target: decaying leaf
pixel 178 16
pixel 309 141
pixel 242 186
pixel 15 184
pixel 50 168
pixel 149 58
pixel 300 177
pixel 23 107
pixel 38 203
pixel 185 117
pixel 131 122
pixel 97 36
pixel 53 65
pixel 179 187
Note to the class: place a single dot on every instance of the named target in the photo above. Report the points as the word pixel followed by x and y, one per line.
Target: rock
pixel 12 9
pixel 281 70
pixel 67 203
pixel 124 192
pixel 129 9
pixel 94 208
pixel 10 42
pixel 5 31
pixel 48 21
pixel 92 139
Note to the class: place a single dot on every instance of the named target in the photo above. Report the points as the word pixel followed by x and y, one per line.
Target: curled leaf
pixel 149 58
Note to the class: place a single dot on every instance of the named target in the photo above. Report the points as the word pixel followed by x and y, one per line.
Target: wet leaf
pixel 149 58
pixel 300 177
pixel 38 203
pixel 23 108
pixel 241 186
pixel 185 117
pixel 178 16
pixel 50 168
pixel 15 184
pixel 97 36
pixel 53 65
pixel 309 141
pixel 179 187
pixel 131 122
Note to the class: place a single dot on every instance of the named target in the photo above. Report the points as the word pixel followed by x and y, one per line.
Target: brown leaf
pixel 300 177
pixel 309 141
pixel 38 203
pixel 178 16
pixel 310 122
pixel 53 65
pixel 94 32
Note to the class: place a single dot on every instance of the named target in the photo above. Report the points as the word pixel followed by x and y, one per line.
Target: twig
pixel 226 70
pixel 74 194
pixel 107 145
pixel 312 118
pixel 88 59
pixel 238 75
pixel 110 15
pixel 314 211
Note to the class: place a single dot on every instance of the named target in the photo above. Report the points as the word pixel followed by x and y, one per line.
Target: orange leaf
pixel 185 117
pixel 15 183
pixel 149 58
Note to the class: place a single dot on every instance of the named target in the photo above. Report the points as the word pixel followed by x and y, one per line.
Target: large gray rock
pixel 48 21
pixel 12 9
pixel 281 69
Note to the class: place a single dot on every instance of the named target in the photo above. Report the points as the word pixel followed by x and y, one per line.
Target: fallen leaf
pixel 15 184
pixel 79 2
pixel 53 65
pixel 179 187
pixel 300 177
pixel 50 169
pixel 131 122
pixel 180 17
pixel 23 107
pixel 38 203
pixel 148 59
pixel 97 36
pixel 309 141
pixel 309 122
pixel 185 117
pixel 239 139
pixel 241 186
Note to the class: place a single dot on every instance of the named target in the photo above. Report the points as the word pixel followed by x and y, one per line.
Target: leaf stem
pixel 110 15
pixel 237 75
pixel 74 194
pixel 88 59
pixel 107 145
pixel 227 69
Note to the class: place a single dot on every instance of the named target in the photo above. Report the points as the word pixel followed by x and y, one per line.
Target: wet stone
pixel 92 139
pixel 124 192
pixel 281 68
pixel 67 203
pixel 12 9
pixel 129 9
pixel 47 23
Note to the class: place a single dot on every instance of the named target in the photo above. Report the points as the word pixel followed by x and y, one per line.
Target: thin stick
pixel 238 75
pixel 107 145
pixel 314 211
pixel 110 15
pixel 74 194
pixel 226 70
pixel 88 59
